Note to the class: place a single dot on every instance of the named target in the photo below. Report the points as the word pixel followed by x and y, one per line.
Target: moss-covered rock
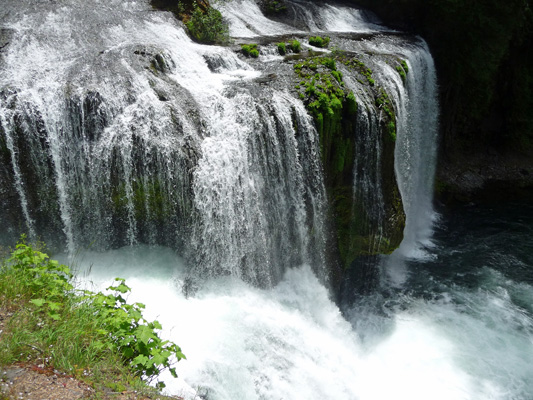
pixel 334 109
pixel 273 7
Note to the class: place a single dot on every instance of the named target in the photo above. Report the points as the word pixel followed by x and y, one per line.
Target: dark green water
pixel 473 286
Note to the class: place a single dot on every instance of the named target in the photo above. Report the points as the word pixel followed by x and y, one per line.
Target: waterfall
pixel 415 152
pixel 122 131
pixel 192 169
pixel 139 135
pixel 251 183
pixel 18 182
pixel 414 99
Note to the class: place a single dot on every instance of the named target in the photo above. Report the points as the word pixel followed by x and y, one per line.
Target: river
pixel 454 323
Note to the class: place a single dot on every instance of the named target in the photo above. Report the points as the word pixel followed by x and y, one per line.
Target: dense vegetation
pixel 204 23
pixel 485 64
pixel 96 337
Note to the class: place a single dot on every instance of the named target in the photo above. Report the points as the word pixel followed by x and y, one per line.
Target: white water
pixel 146 140
pixel 242 342
pixel 247 20
pixel 291 342
pixel 417 111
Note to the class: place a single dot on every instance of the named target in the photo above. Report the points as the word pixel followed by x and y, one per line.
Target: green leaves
pixel 47 281
pixel 134 336
pixel 38 302
pixel 122 288
pixel 144 334
pixel 120 326
pixel 207 26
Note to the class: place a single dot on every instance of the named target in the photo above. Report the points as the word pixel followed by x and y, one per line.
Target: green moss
pixel 334 110
pixel 331 106
pixel 357 65
pixel 351 104
pixel 149 195
pixel 337 75
pixel 383 103
pixel 401 71
pixel 319 41
pixel 295 46
pixel 324 98
pixel 250 50
pixel 282 48
pixel 391 130
pixel 402 68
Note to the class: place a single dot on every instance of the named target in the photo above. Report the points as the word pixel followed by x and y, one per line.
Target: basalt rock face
pixel 485 67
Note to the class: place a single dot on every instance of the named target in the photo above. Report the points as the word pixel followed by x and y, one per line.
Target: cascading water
pixel 416 145
pixel 414 99
pixel 123 132
pixel 252 184
pixel 150 143
pixel 101 142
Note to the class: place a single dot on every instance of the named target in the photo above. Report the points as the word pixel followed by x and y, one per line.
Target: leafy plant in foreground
pixel 76 329
pixel 135 337
pixel 46 280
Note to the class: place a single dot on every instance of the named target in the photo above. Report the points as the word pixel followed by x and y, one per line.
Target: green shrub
pixel 135 337
pixel 77 331
pixel 208 26
pixel 250 50
pixel 295 46
pixel 282 48
pixel 319 41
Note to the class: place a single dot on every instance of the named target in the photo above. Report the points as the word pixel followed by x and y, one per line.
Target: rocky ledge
pixel 484 177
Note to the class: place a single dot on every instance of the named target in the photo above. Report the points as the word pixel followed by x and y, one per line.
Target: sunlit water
pixel 459 327
pixel 452 322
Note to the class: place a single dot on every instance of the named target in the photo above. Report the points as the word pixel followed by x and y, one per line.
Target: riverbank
pixel 60 342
